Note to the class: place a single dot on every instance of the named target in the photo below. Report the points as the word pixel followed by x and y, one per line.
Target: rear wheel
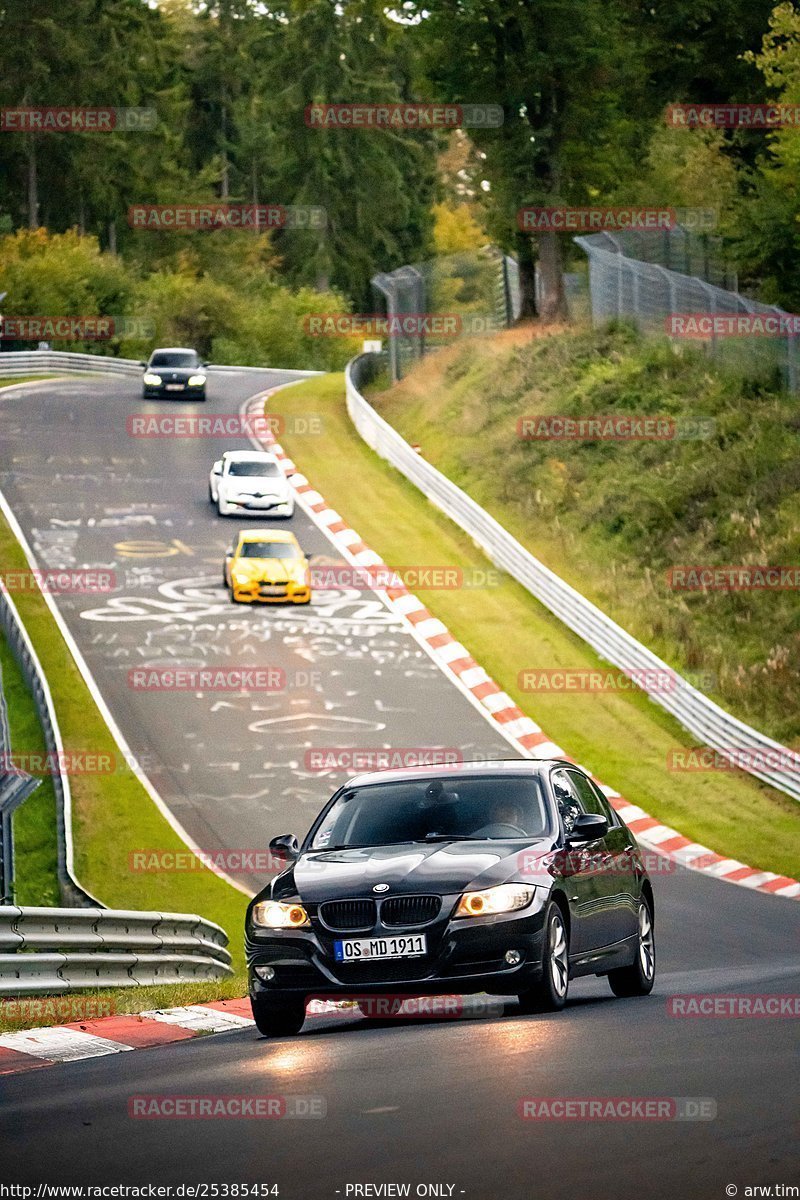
pixel 550 993
pixel 638 978
pixel 278 1016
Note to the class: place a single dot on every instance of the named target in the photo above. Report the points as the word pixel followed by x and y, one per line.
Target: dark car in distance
pixel 505 877
pixel 174 372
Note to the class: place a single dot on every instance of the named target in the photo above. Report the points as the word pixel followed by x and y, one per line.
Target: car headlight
pixel 152 380
pixel 196 380
pixel 272 914
pixel 507 897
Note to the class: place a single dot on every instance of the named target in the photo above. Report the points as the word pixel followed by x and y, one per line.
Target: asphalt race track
pixel 406 1102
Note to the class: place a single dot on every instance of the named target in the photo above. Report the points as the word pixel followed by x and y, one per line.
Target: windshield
pixel 254 467
pixel 488 806
pixel 175 358
pixel 269 550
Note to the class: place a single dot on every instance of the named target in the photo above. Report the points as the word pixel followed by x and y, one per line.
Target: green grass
pixel 613 518
pixel 36 1011
pixel 34 822
pixel 623 738
pixel 112 813
pixel 11 380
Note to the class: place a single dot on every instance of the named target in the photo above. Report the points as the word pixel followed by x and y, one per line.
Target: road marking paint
pixel 60 1044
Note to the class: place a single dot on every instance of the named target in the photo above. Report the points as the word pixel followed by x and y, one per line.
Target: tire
pixel 211 499
pixel 639 977
pixel 278 1016
pixel 549 994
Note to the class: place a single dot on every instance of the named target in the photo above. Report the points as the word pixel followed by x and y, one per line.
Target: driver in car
pixel 507 818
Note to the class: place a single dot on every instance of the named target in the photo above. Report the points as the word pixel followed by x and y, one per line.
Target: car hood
pixel 440 867
pixel 269 570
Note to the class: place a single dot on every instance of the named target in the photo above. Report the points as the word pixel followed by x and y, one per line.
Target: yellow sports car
pixel 268 566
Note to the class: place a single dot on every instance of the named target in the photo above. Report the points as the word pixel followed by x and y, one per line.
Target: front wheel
pixel 550 993
pixel 278 1016
pixel 639 977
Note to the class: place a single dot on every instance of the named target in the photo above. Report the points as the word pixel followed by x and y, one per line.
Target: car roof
pixel 244 455
pixel 497 766
pixel 266 535
pixel 173 350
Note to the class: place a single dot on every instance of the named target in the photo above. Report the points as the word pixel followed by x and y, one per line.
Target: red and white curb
pixel 496 705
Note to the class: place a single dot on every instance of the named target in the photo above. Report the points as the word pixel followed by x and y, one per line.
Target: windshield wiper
pixel 450 837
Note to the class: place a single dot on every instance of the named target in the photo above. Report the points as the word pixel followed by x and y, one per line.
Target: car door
pixel 577 869
pixel 616 909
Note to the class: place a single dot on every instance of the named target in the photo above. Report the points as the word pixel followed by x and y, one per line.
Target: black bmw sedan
pixel 174 372
pixel 506 877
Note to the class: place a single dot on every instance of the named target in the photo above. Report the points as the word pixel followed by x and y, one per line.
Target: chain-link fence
pixel 458 295
pixel 757 339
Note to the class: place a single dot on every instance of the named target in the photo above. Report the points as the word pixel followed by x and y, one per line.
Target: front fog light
pixel 513 958
pixel 266 974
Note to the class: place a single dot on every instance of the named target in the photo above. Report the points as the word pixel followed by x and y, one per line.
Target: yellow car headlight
pixel 152 380
pixel 507 897
pixel 196 380
pixel 272 914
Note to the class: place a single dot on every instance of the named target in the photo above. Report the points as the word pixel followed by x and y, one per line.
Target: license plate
pixel 268 589
pixel 357 949
pixel 175 387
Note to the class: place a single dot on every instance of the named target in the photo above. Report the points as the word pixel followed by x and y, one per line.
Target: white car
pixel 249 481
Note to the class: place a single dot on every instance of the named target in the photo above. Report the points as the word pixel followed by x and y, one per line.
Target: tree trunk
pixel 112 236
pixel 553 304
pixel 527 276
pixel 33 185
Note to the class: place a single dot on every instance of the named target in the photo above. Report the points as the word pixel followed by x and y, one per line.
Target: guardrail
pixel 36 362
pixel 54 950
pixel 758 754
pixel 24 653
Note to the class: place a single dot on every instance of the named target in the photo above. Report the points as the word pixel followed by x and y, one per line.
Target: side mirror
pixel 588 827
pixel 229 553
pixel 205 365
pixel 285 847
pixel 217 468
pixel 143 365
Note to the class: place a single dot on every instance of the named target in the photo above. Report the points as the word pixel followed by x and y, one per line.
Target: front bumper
pixel 260 505
pixel 176 392
pixel 253 593
pixel 465 956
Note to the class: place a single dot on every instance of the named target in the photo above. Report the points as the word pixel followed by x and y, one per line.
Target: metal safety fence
pixel 473 293
pixel 659 300
pixel 37 362
pixel 713 726
pixel 55 950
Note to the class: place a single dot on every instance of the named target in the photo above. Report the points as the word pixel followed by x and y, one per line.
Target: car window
pixel 569 805
pixel 269 550
pixel 254 466
pixel 605 807
pixel 590 801
pixel 163 358
pixel 483 807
